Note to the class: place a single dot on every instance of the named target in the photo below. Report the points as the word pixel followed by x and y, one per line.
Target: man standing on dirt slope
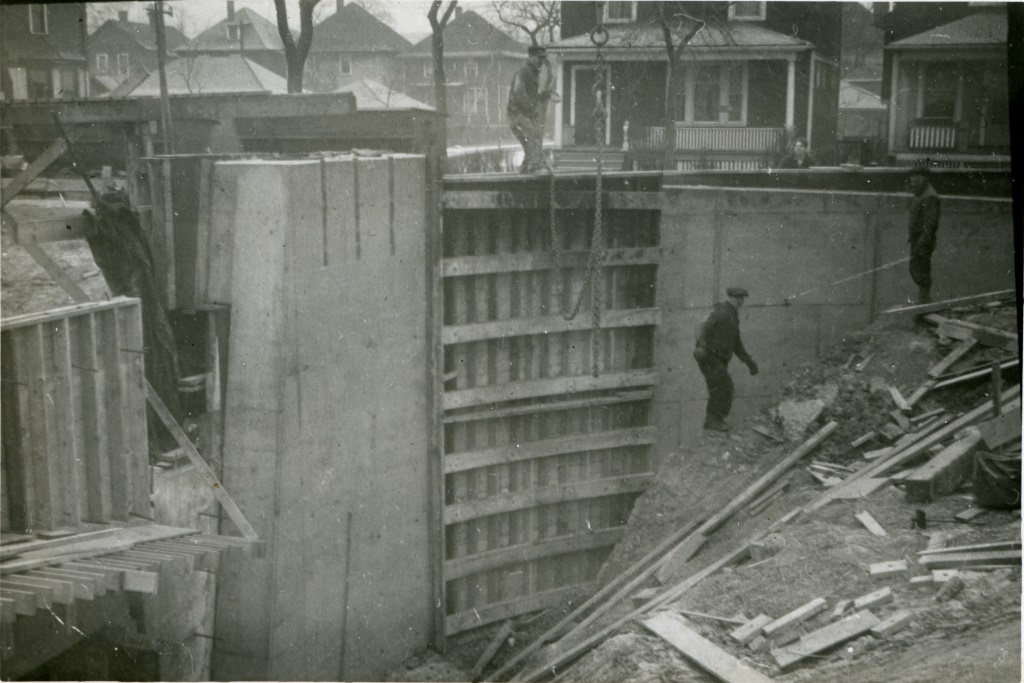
pixel 717 341
pixel 924 223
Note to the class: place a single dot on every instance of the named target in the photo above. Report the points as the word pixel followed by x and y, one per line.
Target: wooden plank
pixel 42 452
pixel 204 470
pixel 494 413
pixel 96 544
pixel 54 314
pixel 865 518
pixel 93 422
pixel 679 556
pixel 797 616
pixel 882 596
pixel 518 327
pixel 862 488
pixel 63 591
pixel 112 357
pixel 953 356
pixel 548 495
pixel 78 226
pixel 958 560
pixel 84 586
pixel 55 150
pixel 13 550
pixel 69 443
pixel 893 623
pixel 492 649
pixel 884 569
pixel 1000 545
pixel 527 199
pixel 133 409
pixel 1000 430
pixel 861 440
pixel 985 372
pixel 750 630
pixel 825 638
pixel 490 560
pixel 55 271
pixel 946 472
pixel 514 391
pixel 898 399
pixel 488 614
pixel 920 309
pixel 521 262
pixel 708 656
pixel 24 601
pixel 577 443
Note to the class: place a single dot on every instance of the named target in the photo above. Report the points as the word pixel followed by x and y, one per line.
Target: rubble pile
pixel 881 544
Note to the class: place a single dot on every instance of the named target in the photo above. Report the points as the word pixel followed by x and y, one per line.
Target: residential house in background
pixel 213 74
pixel 755 75
pixel 120 50
pixel 43 52
pixel 479 62
pixel 949 93
pixel 861 130
pixel 351 45
pixel 241 32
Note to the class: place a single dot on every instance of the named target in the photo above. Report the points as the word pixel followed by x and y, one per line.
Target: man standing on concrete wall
pixel 717 341
pixel 924 223
pixel 527 105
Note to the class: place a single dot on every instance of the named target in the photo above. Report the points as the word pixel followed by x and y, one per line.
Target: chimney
pixel 122 16
pixel 458 11
pixel 231 10
pixel 339 4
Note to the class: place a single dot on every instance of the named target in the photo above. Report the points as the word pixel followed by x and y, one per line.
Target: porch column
pixel 790 91
pixel 894 87
pixel 559 90
pixel 811 80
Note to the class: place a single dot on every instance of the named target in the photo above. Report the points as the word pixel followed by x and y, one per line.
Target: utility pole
pixel 161 55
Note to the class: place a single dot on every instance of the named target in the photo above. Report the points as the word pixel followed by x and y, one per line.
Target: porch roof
pixel 984 29
pixel 737 36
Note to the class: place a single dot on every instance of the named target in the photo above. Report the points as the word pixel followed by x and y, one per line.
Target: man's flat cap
pixel 737 292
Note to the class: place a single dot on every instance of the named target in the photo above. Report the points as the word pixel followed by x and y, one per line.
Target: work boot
pixel 717 424
pixel 924 295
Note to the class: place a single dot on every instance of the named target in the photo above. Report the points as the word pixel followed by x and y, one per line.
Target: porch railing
pixel 708 138
pixel 929 136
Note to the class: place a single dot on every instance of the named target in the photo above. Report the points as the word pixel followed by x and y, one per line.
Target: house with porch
pixel 949 103
pixel 752 76
pixel 43 52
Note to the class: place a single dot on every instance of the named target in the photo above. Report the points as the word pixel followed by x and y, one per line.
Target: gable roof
pixel 258 33
pixel 353 29
pixel 736 35
pixel 471 34
pixel 372 95
pixel 984 29
pixel 142 33
pixel 206 74
pixel 852 96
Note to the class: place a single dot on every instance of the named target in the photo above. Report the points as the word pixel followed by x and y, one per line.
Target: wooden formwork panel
pixel 74 422
pixel 547 424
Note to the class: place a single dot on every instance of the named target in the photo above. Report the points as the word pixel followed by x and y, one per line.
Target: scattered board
pixel 825 638
pixel 865 518
pixel 702 651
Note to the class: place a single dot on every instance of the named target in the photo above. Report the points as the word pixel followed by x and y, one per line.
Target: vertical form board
pixel 75 442
pixel 543 460
pixel 325 417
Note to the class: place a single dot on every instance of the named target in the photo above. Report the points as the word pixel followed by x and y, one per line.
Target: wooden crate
pixel 74 418
pixel 547 421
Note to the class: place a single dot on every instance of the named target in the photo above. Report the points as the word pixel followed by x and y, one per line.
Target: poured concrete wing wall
pixel 326 417
pixel 818 265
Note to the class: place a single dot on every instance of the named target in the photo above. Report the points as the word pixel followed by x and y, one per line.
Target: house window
pixel 428 69
pixel 619 12
pixel 232 30
pixel 68 84
pixel 344 66
pixel 37 19
pixel 474 101
pixel 939 91
pixel 122 64
pixel 40 84
pixel 472 69
pixel 102 62
pixel 748 11
pixel 706 93
pixel 712 93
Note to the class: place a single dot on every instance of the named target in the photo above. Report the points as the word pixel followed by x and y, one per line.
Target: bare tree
pixel 295 52
pixel 437 26
pixel 538 19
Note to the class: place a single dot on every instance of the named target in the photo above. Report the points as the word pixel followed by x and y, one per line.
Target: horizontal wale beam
pixel 481 616
pixel 552 324
pixel 526 199
pixel 514 391
pixel 529 552
pixel 548 495
pixel 460 266
pixel 492 413
pixel 66 312
pixel 576 443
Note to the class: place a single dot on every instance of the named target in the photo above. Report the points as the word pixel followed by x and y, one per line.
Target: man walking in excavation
pixel 717 341
pixel 923 224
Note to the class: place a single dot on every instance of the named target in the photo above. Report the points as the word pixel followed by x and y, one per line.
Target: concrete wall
pixel 819 250
pixel 326 419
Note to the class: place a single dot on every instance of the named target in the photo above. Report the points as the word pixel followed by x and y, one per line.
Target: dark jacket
pixel 791 162
pixel 720 334
pixel 924 220
pixel 524 95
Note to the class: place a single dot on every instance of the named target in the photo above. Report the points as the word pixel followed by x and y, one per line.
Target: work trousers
pixel 530 133
pixel 921 266
pixel 720 388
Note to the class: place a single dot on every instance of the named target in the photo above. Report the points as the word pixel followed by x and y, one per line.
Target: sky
pixel 409 17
